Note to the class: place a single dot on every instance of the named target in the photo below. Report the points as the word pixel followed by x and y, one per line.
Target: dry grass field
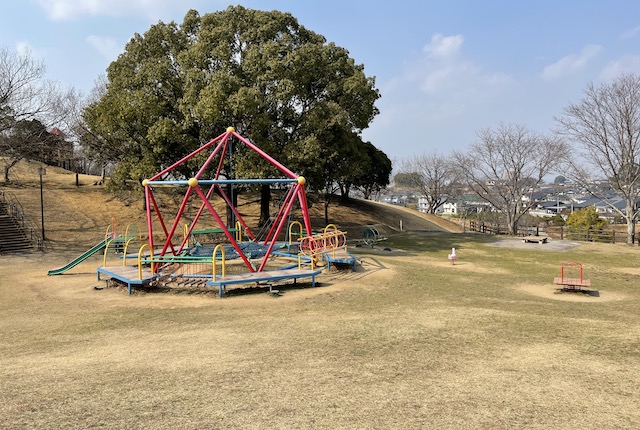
pixel 407 341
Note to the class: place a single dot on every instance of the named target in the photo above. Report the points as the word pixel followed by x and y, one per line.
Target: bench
pixel 539 239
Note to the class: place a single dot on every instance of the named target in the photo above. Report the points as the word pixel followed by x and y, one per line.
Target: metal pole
pixel 41 206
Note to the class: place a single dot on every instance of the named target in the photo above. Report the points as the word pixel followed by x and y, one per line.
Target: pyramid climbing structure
pixel 203 188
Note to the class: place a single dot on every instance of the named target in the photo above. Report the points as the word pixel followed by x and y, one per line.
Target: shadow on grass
pixel 339 273
pixel 430 241
pixel 578 291
pixel 274 289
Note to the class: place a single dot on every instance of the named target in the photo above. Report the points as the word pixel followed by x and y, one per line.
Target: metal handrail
pixel 17 213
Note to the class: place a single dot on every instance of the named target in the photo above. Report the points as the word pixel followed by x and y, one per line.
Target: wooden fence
pixel 589 235
pixel 560 233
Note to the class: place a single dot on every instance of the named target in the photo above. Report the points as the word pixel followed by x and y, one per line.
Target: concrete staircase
pixel 14 237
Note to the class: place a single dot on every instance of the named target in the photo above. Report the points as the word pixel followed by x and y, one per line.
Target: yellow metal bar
pixel 332 226
pixel 295 223
pixel 130 227
pixel 126 246
pixel 106 252
pixel 213 262
pixel 106 233
pixel 312 258
pixel 238 232
pixel 146 245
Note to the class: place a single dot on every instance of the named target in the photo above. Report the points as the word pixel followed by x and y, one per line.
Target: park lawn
pixel 408 341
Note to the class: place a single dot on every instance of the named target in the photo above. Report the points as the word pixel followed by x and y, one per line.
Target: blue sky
pixel 445 69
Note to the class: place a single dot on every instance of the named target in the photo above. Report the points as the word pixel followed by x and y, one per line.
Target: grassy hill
pixel 77 216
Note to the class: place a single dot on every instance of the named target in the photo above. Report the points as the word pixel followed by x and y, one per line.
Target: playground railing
pixel 121 243
pixel 158 263
pixel 189 234
pixel 298 234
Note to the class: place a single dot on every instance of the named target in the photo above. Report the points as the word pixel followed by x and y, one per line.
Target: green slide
pixel 79 259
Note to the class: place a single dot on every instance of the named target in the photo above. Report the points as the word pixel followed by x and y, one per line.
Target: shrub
pixel 586 218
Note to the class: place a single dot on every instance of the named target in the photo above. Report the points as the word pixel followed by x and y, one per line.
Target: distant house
pixel 396 199
pixel 466 203
pixel 423 205
pixel 604 208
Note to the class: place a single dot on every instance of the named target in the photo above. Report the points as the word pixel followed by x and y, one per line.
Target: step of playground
pixel 12 236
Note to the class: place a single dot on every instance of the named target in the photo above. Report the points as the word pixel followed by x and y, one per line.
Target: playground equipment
pixel 330 245
pixel 79 259
pixel 120 243
pixel 193 234
pixel 168 257
pixel 572 284
pixel 371 236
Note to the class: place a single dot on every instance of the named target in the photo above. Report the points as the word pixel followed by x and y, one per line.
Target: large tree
pixel 434 176
pixel 605 125
pixel 505 165
pixel 279 84
pixel 378 173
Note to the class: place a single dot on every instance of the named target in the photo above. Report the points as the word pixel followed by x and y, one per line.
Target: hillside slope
pixel 413 220
pixel 77 217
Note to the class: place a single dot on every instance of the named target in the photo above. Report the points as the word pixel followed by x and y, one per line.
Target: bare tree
pixel 606 126
pixel 505 166
pixel 434 176
pixel 25 96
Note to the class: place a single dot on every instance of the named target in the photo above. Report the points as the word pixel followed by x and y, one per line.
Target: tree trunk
pixel 327 201
pixel 631 225
pixel 344 192
pixel 265 200
pixel 8 167
pixel 231 216
pixel 512 223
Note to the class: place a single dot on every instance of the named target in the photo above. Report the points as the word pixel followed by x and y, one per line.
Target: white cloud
pixel 570 64
pixel 443 46
pixel 108 47
pixel 627 64
pixel 630 33
pixel 443 97
pixel 69 10
pixel 444 73
pixel 24 48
